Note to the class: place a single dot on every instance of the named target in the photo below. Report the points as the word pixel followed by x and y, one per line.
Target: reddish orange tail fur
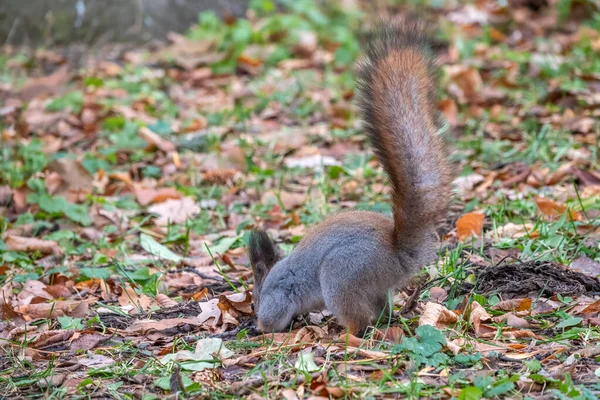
pixel 396 96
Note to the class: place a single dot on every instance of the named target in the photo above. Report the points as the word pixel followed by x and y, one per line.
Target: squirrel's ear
pixel 263 254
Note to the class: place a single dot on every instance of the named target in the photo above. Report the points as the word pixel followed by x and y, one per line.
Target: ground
pixel 130 180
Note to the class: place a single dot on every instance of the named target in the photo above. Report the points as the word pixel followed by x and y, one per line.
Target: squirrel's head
pixel 271 303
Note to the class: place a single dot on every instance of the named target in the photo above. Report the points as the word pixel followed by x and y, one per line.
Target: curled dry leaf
pixel 465 83
pixel 455 345
pixel 438 294
pixel 165 301
pixel 393 334
pixel 55 309
pixel 309 334
pixel 469 224
pixel 514 231
pixel 238 302
pixel 513 305
pixel 27 244
pixel 154 139
pixel 51 337
pixel 146 326
pixel 132 301
pixel 516 322
pixel 145 196
pixel 590 308
pixel 477 318
pixel 437 315
pixel 553 210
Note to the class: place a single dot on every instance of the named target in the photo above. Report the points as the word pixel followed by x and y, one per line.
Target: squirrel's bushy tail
pixel 396 86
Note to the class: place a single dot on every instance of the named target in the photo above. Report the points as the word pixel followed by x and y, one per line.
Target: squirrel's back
pixel 397 99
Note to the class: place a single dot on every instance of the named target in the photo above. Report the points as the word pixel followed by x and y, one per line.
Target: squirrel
pixel 349 262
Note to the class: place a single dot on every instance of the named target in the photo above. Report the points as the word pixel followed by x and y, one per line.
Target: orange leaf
pixel 469 224
pixel 553 210
pixel 525 304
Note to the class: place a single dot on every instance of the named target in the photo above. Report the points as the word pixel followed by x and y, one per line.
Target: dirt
pixel 520 279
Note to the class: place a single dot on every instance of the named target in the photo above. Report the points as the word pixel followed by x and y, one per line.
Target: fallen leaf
pixel 316 162
pixel 175 211
pixel 155 139
pixel 165 301
pixel 132 301
pixel 437 315
pixel 48 338
pixel 465 83
pixel 28 244
pixel 46 85
pixel 514 231
pixel 88 341
pixel 146 196
pixel 158 250
pixel 513 305
pixel 477 318
pixel 145 326
pixel 469 224
pixel 55 309
pixel 553 210
pixel 210 309
pixel 516 322
pixel 438 294
pixel 206 355
pixel 586 265
pixel 96 361
pixel 74 177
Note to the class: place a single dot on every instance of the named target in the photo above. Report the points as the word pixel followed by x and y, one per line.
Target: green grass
pixel 247 120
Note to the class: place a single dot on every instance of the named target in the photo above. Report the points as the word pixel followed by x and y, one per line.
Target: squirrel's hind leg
pixel 354 313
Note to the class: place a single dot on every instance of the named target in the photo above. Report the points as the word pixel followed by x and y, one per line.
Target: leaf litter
pixel 127 190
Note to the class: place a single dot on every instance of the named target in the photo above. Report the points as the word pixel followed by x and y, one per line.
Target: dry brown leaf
pixel 58 291
pixel 591 308
pixel 51 337
pixel 154 139
pixel 74 177
pixel 469 224
pixel 516 322
pixel 514 231
pixel 88 341
pixel 51 310
pixel 28 244
pixel 438 294
pixel 553 210
pixel 145 196
pixel 518 334
pixel 521 356
pixel 309 334
pixel 513 305
pixel 586 266
pixel 465 83
pixel 477 318
pixel 455 345
pixel 146 326
pixel 134 302
pixel 46 85
pixel 393 334
pixel 450 110
pixel 239 302
pixel 165 301
pixel 174 211
pixel 437 315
